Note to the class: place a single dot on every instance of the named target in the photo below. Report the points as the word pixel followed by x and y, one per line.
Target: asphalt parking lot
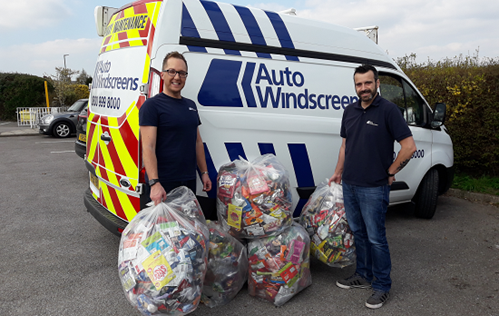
pixel 58 260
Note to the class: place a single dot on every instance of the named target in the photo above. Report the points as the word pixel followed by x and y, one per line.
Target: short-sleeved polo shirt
pixel 177 124
pixel 370 134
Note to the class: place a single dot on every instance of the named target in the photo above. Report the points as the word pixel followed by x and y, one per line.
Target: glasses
pixel 173 72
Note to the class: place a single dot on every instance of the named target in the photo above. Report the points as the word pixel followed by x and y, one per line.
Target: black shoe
pixel 355 281
pixel 377 299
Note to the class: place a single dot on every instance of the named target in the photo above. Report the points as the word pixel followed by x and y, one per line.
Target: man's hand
pixel 207 184
pixel 391 180
pixel 158 194
pixel 335 178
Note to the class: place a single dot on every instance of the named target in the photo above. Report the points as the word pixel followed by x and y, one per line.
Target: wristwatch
pixel 389 174
pixel 153 182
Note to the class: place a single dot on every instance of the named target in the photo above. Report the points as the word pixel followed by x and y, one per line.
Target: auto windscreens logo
pixel 272 88
pixel 104 80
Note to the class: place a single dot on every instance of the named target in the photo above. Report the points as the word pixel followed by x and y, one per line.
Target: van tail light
pixel 142 175
pixel 155 83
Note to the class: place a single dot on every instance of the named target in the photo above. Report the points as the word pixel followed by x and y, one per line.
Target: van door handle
pixel 106 138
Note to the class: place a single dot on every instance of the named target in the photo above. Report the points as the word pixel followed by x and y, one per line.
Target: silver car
pixel 62 124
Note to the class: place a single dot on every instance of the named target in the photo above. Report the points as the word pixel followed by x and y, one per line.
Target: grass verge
pixel 483 184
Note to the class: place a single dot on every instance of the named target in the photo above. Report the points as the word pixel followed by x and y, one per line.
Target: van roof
pixel 237 28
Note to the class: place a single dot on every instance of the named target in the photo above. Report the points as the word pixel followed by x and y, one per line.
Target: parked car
pixel 62 124
pixel 81 134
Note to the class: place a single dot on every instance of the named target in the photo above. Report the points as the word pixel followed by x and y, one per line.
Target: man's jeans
pixel 365 211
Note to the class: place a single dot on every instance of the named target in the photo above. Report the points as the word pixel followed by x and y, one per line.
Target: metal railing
pixel 31 116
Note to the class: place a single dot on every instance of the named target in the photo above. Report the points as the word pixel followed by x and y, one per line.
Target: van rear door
pixel 118 90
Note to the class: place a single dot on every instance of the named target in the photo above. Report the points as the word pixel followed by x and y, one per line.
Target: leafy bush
pixel 21 90
pixel 76 92
pixel 469 87
pixel 81 91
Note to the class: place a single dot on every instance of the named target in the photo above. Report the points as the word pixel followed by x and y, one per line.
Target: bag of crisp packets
pixel 254 198
pixel 227 267
pixel 324 218
pixel 279 265
pixel 162 259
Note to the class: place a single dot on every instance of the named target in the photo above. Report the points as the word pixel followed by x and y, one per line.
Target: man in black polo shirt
pixel 366 167
pixel 171 143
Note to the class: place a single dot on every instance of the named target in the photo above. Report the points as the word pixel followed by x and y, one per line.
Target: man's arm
pixel 337 175
pixel 148 138
pixel 202 163
pixel 407 149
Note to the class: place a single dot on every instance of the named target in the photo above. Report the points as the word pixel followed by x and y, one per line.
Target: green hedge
pixel 21 90
pixel 469 87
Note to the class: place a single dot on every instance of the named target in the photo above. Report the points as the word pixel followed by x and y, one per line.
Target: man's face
pixel 366 86
pixel 172 86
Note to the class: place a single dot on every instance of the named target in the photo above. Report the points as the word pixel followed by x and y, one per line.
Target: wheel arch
pixel 445 177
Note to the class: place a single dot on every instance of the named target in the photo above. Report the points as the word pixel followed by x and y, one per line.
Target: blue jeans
pixel 365 209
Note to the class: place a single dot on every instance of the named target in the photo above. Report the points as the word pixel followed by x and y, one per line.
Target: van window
pixel 414 106
pixel 398 91
pixel 391 89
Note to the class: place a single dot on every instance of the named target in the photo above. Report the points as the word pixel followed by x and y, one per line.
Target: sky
pixel 35 35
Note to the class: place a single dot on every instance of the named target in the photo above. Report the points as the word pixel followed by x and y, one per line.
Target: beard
pixel 362 94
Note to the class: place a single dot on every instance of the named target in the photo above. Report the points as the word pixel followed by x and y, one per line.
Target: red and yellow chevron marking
pixel 133 26
pixel 93 139
pixel 123 205
pixel 120 157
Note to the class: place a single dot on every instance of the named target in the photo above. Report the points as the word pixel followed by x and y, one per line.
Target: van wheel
pixel 62 130
pixel 427 195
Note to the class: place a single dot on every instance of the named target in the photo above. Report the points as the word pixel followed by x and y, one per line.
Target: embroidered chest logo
pixel 191 109
pixel 371 123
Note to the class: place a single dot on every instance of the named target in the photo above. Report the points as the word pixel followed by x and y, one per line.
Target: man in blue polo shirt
pixel 366 167
pixel 171 143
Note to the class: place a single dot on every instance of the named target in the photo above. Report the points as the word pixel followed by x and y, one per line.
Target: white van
pixel 264 82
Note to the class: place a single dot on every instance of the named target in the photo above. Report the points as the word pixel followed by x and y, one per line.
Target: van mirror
pixel 439 115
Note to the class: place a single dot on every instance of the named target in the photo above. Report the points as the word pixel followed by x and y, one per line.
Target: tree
pixel 84 78
pixel 62 84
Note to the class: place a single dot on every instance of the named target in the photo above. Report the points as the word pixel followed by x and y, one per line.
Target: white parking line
pixel 62 152
pixel 55 142
pixel 5 123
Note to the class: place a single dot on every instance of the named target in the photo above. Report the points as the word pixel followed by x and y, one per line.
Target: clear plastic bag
pixel 279 265
pixel 323 216
pixel 227 267
pixel 184 200
pixel 254 198
pixel 162 259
